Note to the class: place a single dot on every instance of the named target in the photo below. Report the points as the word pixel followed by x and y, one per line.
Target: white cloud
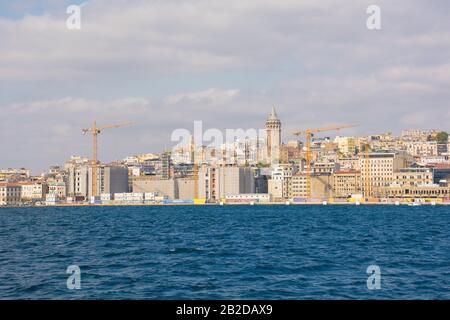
pixel 168 63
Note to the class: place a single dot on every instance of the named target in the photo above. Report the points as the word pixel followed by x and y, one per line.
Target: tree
pixel 442 137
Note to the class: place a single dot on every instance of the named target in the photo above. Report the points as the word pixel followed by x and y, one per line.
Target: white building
pixel 278 185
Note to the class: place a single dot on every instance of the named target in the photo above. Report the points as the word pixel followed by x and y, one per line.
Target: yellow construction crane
pixel 95 131
pixel 308 133
pixel 367 186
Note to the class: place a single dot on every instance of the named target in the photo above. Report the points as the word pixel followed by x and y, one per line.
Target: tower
pixel 273 130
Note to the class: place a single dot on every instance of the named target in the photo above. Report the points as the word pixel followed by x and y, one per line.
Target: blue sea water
pixel 229 252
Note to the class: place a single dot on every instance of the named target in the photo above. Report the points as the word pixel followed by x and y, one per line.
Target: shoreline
pixel 229 204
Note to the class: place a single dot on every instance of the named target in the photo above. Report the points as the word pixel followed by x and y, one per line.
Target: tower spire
pixel 273 114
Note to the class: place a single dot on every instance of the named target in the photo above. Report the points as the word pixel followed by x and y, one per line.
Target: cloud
pixel 168 63
pixel 210 96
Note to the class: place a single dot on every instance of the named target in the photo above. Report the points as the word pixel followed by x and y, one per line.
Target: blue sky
pixel 165 64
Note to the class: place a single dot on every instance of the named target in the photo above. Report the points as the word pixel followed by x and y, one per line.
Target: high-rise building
pixel 273 131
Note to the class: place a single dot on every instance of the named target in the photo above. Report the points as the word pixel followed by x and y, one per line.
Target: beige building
pixel 413 177
pixel 321 186
pixel 147 184
pixel 379 167
pixel 346 183
pixel 425 191
pixel 182 188
pixel 10 194
pixel 33 190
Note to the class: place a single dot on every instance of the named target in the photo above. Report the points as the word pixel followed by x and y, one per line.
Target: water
pixel 229 252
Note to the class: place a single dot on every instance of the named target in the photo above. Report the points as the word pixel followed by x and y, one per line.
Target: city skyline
pixel 221 63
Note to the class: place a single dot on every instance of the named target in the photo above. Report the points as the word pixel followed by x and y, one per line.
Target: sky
pixel 165 64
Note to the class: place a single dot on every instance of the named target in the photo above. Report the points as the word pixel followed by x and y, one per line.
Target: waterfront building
pixel 10 194
pixel 110 179
pixel 173 189
pixel 215 183
pixel 346 183
pixel 58 187
pixel 380 168
pixel 413 177
pixel 321 187
pixel 33 190
pixel 278 185
pixel 420 191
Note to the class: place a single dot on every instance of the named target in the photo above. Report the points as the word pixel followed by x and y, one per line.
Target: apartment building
pixel 379 167
pixel 10 194
pixel 33 190
pixel 346 183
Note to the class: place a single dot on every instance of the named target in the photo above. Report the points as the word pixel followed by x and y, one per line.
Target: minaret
pixel 273 129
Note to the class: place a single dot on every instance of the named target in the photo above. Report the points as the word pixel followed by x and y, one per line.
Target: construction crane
pixel 308 133
pixel 367 186
pixel 95 131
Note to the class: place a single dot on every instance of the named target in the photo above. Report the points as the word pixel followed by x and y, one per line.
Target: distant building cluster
pixel 377 168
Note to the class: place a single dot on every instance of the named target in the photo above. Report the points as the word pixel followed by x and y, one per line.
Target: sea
pixel 270 252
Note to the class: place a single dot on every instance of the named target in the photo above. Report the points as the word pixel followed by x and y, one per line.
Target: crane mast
pixel 95 131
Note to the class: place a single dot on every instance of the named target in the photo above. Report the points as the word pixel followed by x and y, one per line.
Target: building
pixel 346 183
pixel 166 166
pixel 33 190
pixel 273 139
pixel 413 177
pixel 149 184
pixel 172 189
pixel 10 194
pixel 423 191
pixel 185 188
pixel 325 167
pixel 110 179
pixel 278 185
pixel 422 148
pixel 14 174
pixel 58 187
pixel 346 145
pixel 78 177
pixel 292 152
pixel 215 183
pixel 379 167
pixel 321 187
